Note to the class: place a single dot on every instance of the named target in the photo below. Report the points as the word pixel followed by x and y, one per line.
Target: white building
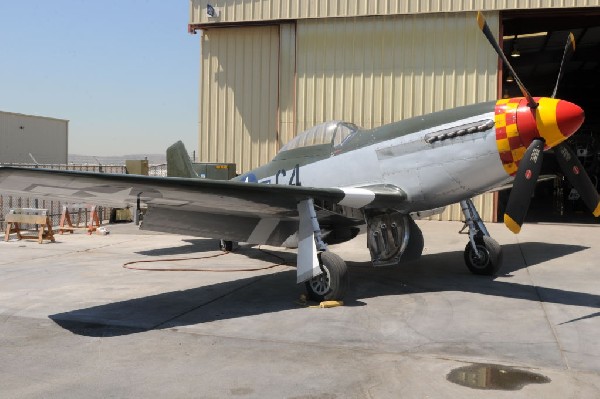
pixel 29 139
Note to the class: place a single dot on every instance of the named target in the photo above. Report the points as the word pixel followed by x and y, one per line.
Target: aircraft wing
pixel 237 211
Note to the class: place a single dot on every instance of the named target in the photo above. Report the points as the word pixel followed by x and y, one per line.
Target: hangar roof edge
pixel 243 12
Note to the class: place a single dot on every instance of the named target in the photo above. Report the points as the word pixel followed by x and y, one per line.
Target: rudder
pixel 178 162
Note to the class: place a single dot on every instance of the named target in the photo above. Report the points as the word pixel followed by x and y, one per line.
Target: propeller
pixel 524 185
pixel 567 159
pixel 566 116
pixel 578 177
pixel 488 34
pixel 567 54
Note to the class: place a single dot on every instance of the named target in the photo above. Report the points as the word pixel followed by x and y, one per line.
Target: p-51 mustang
pixel 335 177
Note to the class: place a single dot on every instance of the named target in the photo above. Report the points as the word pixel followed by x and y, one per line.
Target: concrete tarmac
pixel 75 323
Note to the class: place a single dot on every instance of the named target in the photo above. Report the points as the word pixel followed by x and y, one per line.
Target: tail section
pixel 178 162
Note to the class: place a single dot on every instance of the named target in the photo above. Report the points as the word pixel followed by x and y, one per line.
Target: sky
pixel 125 73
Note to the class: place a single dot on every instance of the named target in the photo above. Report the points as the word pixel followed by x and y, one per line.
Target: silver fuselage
pixel 432 173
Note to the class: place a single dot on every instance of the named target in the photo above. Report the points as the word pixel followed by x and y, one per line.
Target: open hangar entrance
pixel 534 41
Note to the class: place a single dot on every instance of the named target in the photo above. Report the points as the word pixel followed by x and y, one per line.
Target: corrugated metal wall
pixel 263 10
pixel 287 83
pixel 45 138
pixel 239 96
pixel 376 70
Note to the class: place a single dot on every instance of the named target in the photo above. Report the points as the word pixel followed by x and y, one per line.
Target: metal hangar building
pixel 273 68
pixel 33 139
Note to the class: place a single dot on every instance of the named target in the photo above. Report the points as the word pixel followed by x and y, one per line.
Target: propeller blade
pixel 524 185
pixel 488 34
pixel 568 53
pixel 578 177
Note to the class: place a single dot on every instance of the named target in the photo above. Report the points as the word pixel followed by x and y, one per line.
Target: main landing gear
pixel 324 274
pixel 331 285
pixel 483 254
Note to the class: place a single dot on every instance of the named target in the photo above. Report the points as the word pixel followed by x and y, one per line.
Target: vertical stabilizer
pixel 178 162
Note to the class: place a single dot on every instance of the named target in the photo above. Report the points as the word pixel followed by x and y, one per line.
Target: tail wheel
pixel 490 256
pixel 226 246
pixel 332 284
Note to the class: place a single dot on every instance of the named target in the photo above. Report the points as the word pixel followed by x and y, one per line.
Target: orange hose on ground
pixel 127 264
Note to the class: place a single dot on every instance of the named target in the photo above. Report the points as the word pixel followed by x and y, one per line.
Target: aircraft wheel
pixel 490 260
pixel 226 246
pixel 331 285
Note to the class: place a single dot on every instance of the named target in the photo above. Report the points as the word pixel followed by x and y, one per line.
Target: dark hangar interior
pixel 534 42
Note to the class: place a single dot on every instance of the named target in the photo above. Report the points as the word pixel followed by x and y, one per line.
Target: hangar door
pixel 376 70
pixel 238 104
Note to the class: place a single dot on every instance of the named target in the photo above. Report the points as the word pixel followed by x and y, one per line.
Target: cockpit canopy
pixel 334 132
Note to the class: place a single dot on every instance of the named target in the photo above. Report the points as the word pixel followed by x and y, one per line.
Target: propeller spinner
pixel 537 124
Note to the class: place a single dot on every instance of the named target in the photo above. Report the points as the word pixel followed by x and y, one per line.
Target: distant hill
pixel 153 159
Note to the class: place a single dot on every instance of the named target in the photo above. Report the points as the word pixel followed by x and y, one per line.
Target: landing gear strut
pixel 226 246
pixel 324 274
pixel 483 254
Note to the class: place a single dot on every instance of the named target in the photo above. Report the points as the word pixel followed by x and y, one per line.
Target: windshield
pixel 334 132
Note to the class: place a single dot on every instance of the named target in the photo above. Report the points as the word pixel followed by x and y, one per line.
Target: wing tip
pixel 511 224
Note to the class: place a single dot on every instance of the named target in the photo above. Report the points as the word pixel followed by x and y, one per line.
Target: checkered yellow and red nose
pixel 517 125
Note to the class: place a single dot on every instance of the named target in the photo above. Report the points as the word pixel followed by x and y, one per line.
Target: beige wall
pixel 239 96
pixel 377 70
pixel 264 10
pixel 287 83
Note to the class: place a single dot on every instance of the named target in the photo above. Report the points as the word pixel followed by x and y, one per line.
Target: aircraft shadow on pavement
pixel 227 300
pixel 446 272
pixel 203 245
pixel 272 293
pixel 519 256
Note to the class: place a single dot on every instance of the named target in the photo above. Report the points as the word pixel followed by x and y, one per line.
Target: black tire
pixel 332 284
pixel 491 259
pixel 226 246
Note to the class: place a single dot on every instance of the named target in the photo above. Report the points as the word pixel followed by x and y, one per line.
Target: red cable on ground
pixel 127 264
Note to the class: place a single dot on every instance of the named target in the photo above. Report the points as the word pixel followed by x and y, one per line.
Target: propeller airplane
pixel 335 177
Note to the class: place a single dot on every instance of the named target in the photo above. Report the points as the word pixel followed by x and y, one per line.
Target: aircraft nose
pixel 554 120
pixel 569 117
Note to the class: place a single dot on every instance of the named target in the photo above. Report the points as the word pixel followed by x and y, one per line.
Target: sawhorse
pixel 35 216
pixel 65 218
